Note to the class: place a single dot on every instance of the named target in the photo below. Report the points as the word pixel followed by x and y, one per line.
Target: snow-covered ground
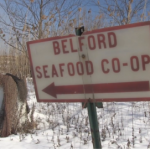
pixel 66 126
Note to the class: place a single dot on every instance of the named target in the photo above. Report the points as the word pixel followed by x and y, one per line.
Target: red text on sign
pixel 99 41
pixel 59 70
pixel 134 64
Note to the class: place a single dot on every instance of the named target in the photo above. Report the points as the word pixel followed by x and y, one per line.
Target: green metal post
pixel 92 112
pixel 94 125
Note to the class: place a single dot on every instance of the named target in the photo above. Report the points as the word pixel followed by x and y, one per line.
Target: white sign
pixel 109 64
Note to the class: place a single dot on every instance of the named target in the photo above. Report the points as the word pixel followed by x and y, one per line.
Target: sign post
pixel 94 125
pixel 92 112
pixel 104 65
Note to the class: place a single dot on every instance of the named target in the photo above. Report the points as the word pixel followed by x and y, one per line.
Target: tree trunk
pixel 40 21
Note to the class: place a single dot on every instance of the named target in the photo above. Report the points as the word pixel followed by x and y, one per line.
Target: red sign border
pixel 85 33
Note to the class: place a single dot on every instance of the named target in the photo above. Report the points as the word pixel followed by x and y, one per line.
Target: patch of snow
pixel 122 125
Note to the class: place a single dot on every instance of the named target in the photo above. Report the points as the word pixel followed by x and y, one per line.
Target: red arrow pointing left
pixel 97 88
pixel 71 89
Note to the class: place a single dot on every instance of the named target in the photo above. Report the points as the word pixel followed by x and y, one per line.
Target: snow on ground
pixel 66 126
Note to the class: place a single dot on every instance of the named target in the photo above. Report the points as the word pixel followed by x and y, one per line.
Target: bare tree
pixel 121 12
pixel 25 20
pixel 33 19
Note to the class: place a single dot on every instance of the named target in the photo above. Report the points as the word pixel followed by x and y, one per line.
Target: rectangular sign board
pixel 109 64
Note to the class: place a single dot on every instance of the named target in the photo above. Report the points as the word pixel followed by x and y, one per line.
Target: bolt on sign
pixel 109 64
